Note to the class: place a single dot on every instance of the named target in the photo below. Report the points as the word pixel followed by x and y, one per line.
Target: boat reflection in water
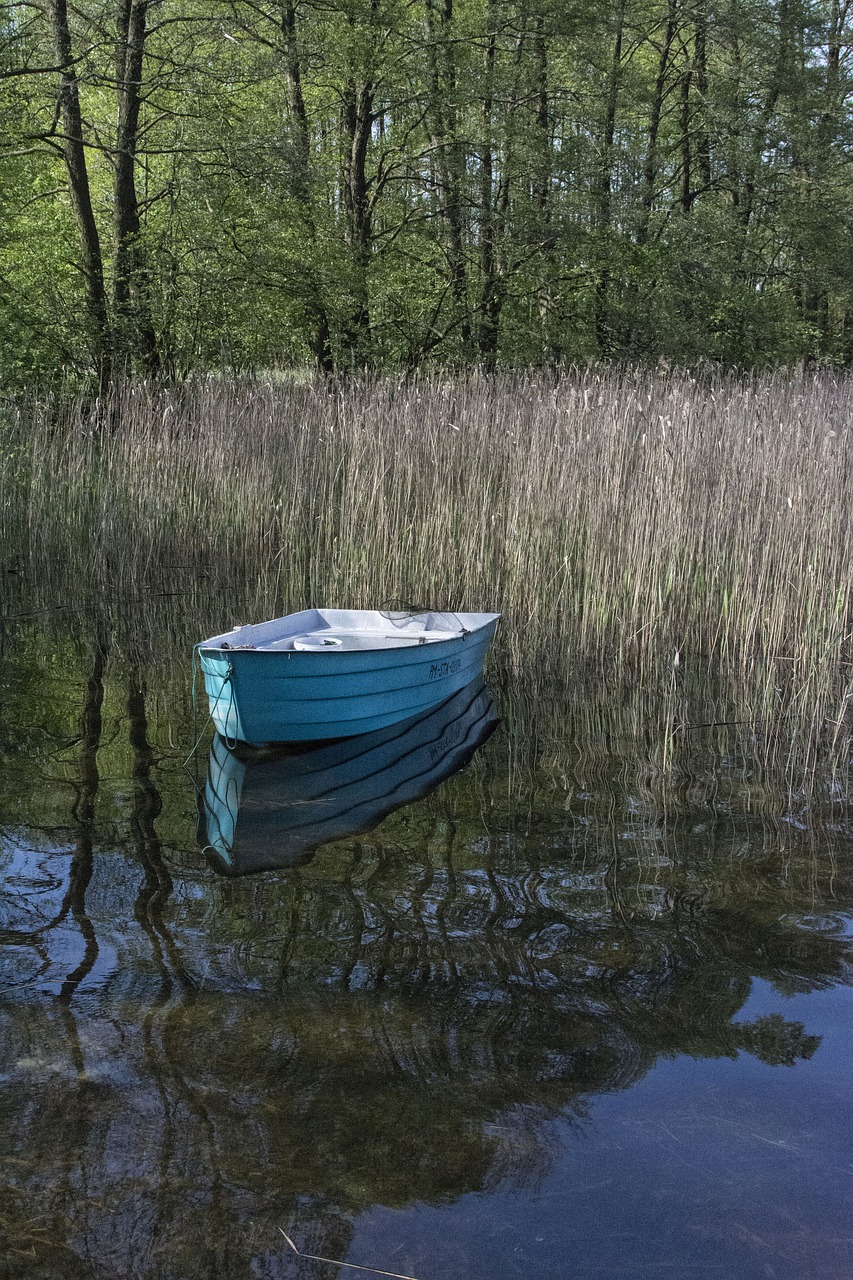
pixel 272 809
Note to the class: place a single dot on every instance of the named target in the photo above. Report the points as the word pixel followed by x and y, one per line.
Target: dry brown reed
pixel 619 517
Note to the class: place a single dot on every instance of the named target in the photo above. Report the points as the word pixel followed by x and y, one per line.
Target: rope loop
pixel 226 683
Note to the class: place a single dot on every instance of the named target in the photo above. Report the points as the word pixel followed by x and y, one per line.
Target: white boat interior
pixel 336 630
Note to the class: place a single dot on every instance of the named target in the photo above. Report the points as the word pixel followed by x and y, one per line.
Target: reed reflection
pixel 394 1021
pixel 269 810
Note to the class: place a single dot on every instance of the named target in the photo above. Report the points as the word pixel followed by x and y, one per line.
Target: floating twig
pixel 333 1262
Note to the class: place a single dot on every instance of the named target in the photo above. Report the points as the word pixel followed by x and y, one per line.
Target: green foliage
pixel 391 184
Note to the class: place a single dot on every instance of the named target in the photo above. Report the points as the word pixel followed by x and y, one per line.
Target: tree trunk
pixel 603 326
pixel 319 337
pixel 650 168
pixel 542 189
pixel 490 290
pixel 357 122
pixel 445 145
pixel 759 138
pixel 74 153
pixel 131 285
pixel 700 65
pixel 686 198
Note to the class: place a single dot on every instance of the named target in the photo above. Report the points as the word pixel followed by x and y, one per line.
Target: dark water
pixel 582 1011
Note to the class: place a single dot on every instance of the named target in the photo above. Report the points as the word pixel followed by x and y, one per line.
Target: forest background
pixel 197 184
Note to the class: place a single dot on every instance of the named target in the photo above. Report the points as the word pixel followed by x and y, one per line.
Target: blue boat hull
pixel 260 696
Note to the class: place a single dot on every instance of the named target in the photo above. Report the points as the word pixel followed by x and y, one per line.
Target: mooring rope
pixel 226 683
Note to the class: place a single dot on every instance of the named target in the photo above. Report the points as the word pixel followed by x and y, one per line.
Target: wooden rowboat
pixel 334 673
pixel 272 809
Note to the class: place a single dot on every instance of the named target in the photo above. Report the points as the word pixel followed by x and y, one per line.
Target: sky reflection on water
pixel 572 1014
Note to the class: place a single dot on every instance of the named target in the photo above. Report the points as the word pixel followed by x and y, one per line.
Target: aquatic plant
pixel 620 518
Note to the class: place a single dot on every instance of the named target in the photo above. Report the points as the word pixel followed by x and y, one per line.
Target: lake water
pixel 581 1011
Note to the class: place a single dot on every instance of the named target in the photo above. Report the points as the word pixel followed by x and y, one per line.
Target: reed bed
pixel 633 519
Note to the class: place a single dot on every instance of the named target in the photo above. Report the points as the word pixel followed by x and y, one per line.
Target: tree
pixel 354 182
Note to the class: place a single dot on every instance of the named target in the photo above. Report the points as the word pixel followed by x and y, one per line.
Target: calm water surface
pixel 581 1011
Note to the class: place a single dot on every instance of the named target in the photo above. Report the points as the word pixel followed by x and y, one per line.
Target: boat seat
pixel 328 641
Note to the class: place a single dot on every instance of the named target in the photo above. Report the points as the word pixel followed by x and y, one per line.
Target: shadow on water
pixel 190 1062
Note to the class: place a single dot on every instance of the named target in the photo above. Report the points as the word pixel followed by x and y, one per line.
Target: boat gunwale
pixel 354 656
pixel 218 644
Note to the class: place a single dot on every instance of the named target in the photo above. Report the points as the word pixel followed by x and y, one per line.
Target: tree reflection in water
pixel 190 1062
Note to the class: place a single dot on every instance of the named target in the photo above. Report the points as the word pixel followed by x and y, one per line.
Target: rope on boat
pixel 226 683
pixel 202 808
pixel 412 610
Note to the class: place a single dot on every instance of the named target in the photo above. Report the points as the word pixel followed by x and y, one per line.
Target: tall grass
pixel 635 519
